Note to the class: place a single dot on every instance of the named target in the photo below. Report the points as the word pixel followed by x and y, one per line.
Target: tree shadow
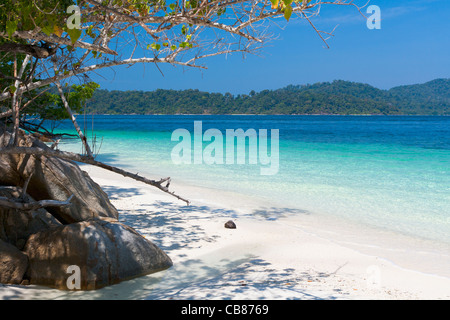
pixel 247 278
pixel 275 213
pixel 176 228
pixel 171 226
pixel 116 193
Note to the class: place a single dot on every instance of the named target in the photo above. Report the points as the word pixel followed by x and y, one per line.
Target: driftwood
pixel 31 206
pixel 161 184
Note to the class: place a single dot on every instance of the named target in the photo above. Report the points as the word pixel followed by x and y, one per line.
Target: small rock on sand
pixel 230 225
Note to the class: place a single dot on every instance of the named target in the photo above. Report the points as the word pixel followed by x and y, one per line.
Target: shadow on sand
pixel 176 229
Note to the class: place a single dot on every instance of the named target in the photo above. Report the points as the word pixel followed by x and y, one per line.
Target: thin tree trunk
pixel 72 117
pixel 15 103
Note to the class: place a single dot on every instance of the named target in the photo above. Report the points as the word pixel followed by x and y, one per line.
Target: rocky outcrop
pixel 16 225
pixel 56 179
pixel 13 264
pixel 39 245
pixel 106 252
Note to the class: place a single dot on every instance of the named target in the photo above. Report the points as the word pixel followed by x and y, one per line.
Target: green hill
pixel 337 97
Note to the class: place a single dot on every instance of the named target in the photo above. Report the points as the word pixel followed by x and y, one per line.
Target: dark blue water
pixel 416 131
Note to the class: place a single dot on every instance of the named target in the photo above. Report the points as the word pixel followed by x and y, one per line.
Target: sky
pixel 412 46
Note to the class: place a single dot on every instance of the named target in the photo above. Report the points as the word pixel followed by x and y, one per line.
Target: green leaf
pixel 48 29
pixel 11 27
pixel 287 12
pixel 184 29
pixel 74 34
pixel 193 3
pixel 173 47
pixel 287 2
pixel 90 32
pixel 184 44
pixel 12 89
pixel 155 46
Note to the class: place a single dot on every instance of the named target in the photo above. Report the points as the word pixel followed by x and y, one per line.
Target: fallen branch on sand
pixel 36 151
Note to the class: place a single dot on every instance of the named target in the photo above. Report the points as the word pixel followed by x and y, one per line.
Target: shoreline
pixel 409 251
pixel 265 257
pixel 264 114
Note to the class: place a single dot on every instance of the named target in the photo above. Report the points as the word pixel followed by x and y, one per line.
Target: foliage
pixel 41 36
pixel 52 108
pixel 338 97
pixel 48 15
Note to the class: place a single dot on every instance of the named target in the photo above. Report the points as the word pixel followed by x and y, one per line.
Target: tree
pixel 59 42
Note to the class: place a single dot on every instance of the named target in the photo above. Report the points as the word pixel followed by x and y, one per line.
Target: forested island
pixel 337 97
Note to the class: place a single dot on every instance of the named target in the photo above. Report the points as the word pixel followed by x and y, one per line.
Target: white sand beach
pixel 274 253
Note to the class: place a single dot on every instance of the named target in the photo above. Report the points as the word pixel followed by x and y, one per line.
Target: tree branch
pixel 39 36
pixel 36 151
pixel 31 206
pixel 71 73
pixel 33 50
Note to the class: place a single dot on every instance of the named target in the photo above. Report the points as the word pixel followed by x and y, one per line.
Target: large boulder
pixel 17 225
pixel 106 252
pixel 85 234
pixel 13 264
pixel 55 179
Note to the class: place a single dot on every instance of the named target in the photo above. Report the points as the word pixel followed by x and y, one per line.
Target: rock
pixel 55 179
pixel 86 234
pixel 106 252
pixel 230 225
pixel 13 264
pixel 16 225
pixel 25 282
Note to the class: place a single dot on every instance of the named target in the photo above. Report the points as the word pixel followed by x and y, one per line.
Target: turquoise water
pixel 388 172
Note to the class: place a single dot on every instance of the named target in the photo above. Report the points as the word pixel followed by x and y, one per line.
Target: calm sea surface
pixel 389 172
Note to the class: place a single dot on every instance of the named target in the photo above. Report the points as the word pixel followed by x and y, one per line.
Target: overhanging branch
pixel 36 151
pixel 39 36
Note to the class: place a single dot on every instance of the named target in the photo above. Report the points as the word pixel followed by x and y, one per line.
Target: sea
pixel 389 173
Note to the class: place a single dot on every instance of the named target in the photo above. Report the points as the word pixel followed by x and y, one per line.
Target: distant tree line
pixel 337 97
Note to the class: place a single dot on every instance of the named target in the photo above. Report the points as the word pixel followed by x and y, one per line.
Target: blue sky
pixel 413 46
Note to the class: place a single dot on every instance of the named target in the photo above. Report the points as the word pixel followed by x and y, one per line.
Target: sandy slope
pixel 275 253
